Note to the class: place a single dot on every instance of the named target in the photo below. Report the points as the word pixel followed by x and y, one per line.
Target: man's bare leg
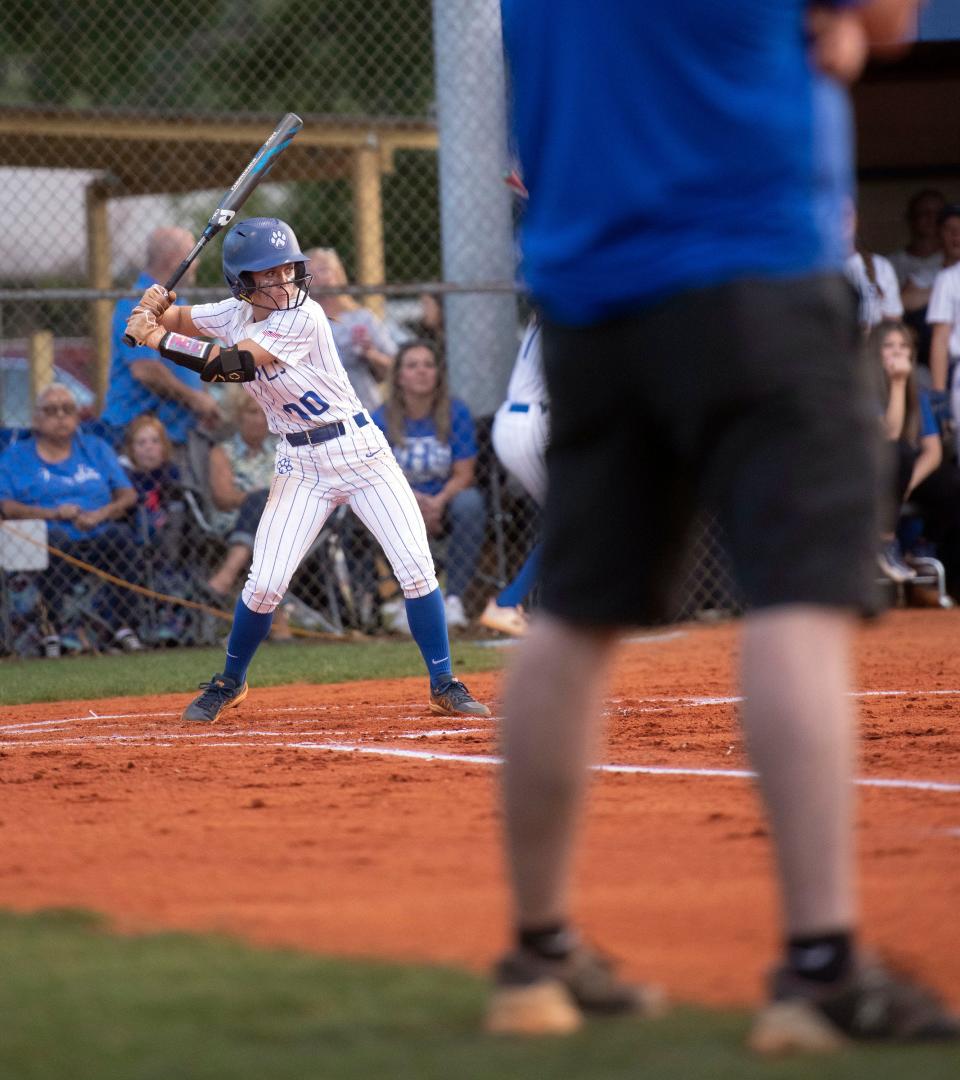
pixel 799 722
pixel 801 731
pixel 550 980
pixel 552 711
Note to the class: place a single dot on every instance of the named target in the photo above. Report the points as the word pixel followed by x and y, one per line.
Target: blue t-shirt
pixel 88 477
pixel 127 397
pixel 928 422
pixel 156 491
pixel 426 461
pixel 669 146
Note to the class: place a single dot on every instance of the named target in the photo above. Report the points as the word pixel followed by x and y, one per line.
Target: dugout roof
pixel 908 123
pixel 150 153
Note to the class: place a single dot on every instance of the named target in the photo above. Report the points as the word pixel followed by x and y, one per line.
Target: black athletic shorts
pixel 750 400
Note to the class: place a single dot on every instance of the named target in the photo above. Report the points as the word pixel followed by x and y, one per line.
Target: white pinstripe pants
pixel 311 482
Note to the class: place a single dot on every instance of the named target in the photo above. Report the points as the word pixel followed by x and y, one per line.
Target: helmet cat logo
pixel 278 239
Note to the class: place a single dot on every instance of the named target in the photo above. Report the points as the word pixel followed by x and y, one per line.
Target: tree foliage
pixel 342 57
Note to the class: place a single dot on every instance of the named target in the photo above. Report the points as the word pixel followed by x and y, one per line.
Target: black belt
pixel 323 433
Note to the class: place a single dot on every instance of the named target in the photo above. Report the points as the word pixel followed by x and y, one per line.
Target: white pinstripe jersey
pixel 307 386
pixel 527 383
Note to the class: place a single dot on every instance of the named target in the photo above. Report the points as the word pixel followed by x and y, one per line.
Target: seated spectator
pixel 148 458
pixel 75 483
pixel 943 312
pixel 241 471
pixel 160 525
pixel 918 292
pixel 910 429
pixel 875 281
pixel 930 483
pixel 363 342
pixel 433 438
pixel 142 381
pixel 918 262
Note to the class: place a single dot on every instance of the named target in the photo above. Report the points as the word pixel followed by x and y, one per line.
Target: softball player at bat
pixel 520 431
pixel 278 344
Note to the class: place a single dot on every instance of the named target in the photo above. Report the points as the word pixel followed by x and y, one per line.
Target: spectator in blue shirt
pixel 76 483
pixel 142 381
pixel 434 441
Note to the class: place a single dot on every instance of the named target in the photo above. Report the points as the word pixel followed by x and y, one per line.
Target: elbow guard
pixel 230 365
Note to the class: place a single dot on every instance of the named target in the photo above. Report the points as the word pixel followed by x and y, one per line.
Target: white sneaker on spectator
pixel 393 616
pixel 890 561
pixel 456 616
pixel 505 620
pixel 128 640
pixel 302 615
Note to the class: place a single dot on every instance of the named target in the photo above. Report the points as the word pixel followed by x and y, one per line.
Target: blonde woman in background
pixel 366 348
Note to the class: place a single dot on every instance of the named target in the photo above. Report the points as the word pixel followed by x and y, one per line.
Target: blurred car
pixel 70 363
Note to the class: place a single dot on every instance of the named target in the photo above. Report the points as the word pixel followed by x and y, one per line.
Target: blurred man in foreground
pixel 700 347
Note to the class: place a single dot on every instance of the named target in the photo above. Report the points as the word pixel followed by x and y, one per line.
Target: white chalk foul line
pixel 439 732
pixel 27 725
pixel 219 739
pixel 638 639
pixel 164 737
pixel 643 770
pixel 683 701
pixel 243 740
pixel 701 702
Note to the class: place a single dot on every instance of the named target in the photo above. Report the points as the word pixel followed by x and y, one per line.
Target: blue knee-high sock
pixel 519 589
pixel 248 630
pixel 428 625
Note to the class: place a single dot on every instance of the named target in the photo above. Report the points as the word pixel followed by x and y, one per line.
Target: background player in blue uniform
pixel 688 166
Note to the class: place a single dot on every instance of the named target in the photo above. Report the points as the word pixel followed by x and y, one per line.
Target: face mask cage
pixel 243 288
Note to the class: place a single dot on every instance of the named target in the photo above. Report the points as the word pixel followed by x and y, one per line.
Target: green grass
pixel 179 670
pixel 78 1003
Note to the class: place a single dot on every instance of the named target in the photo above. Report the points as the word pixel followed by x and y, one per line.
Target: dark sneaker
pixel 220 693
pixel 871 1003
pixel 534 995
pixel 454 699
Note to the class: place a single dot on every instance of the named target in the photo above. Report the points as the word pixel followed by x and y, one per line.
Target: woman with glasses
pixel 76 484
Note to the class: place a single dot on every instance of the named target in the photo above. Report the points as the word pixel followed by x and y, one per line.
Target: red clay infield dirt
pixel 303 818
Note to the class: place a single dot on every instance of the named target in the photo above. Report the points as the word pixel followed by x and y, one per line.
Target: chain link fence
pixel 116 122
